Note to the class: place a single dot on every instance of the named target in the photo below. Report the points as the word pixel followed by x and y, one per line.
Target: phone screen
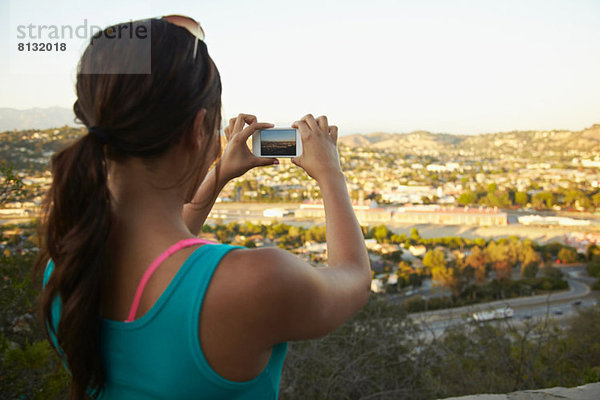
pixel 278 142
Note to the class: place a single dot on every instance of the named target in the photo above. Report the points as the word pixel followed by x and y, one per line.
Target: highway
pixel 559 305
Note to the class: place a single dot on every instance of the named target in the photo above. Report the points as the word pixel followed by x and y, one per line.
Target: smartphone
pixel 277 142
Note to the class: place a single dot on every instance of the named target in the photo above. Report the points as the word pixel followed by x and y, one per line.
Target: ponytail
pixel 76 222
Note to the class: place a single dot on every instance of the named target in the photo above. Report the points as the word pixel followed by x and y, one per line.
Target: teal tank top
pixel 158 356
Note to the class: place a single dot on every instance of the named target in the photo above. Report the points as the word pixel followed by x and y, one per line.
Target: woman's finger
pixel 264 161
pixel 243 119
pixel 250 129
pixel 231 124
pixel 333 131
pixel 322 121
pixel 310 120
pixel 229 129
pixel 302 126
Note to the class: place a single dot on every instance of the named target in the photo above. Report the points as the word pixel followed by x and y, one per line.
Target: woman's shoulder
pixel 262 271
pixel 247 259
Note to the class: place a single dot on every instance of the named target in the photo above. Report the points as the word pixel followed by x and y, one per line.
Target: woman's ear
pixel 197 134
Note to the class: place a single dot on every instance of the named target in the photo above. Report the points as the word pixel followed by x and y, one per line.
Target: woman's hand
pixel 320 156
pixel 237 158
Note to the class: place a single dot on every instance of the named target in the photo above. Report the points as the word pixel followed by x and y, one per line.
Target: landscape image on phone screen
pixel 278 142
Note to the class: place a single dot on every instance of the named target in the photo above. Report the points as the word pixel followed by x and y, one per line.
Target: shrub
pixel 31 371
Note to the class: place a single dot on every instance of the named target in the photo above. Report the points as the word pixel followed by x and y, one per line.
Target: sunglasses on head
pixel 188 23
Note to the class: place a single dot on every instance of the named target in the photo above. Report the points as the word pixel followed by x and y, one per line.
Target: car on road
pixel 577 303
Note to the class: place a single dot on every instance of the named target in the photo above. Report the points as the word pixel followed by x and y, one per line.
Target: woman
pixel 206 320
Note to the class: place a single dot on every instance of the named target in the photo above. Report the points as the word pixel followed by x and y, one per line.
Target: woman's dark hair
pixel 143 115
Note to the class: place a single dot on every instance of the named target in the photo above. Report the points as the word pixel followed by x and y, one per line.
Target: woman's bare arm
pixel 282 297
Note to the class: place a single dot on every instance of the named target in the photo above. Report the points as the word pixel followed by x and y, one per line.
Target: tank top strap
pixel 154 266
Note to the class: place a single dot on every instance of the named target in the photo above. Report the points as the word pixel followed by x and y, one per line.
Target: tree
pixel 276 230
pixel 499 256
pixel 441 273
pixel 294 237
pixel 596 200
pixel 233 228
pixel 591 251
pixel 249 243
pixel 467 198
pixel 407 276
pixel 11 184
pixel 576 198
pixel 397 239
pixel 521 198
pixel 529 271
pixel 222 236
pixel 530 263
pixel 316 234
pixel 567 255
pixel 463 275
pixel 381 234
pixel 478 261
pixel 514 250
pixel 414 235
pixel 551 249
pixel 543 200
pixel 434 259
pixel 443 276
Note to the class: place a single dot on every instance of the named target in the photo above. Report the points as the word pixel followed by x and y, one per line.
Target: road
pixel 559 305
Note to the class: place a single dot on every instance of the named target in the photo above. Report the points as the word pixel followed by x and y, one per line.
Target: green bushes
pixel 371 356
pixel 419 304
pixel 29 368
pixel 380 354
pixel 31 371
pixel 593 268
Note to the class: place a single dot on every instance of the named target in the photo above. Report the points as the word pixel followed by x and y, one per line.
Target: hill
pixel 35 118
pixel 514 142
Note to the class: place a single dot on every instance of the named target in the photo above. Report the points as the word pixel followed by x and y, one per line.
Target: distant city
pixel 505 183
pixel 491 227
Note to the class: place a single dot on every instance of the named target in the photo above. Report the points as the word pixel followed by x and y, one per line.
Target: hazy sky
pixel 444 66
pixel 278 135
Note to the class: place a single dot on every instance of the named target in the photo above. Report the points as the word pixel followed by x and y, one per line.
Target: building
pixel 552 220
pixel 435 214
pixel 581 240
pixel 425 214
pixel 408 194
pixel 315 209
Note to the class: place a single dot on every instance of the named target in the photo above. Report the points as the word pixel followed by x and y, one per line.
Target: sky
pixel 278 135
pixel 447 66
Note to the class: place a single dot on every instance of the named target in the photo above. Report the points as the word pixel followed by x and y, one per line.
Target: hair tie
pixel 99 133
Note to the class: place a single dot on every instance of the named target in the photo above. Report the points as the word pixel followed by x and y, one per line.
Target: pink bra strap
pixel 154 266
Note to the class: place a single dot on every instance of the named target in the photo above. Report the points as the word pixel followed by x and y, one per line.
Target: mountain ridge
pixel 35 118
pixel 418 141
pixel 587 139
